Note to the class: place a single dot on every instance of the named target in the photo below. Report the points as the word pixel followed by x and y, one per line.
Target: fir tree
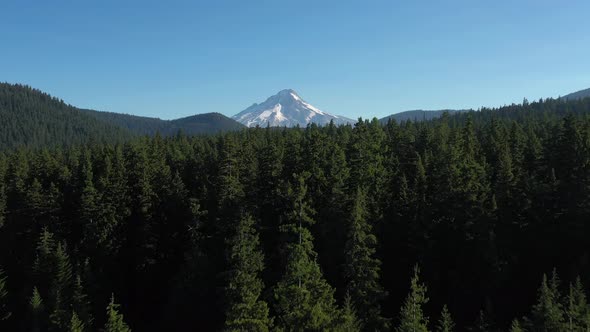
pixel 445 322
pixel 246 311
pixel 115 321
pixel 4 311
pixel 81 304
pixel 515 326
pixel 36 308
pixel 76 324
pixel 348 319
pixel 412 318
pixel 577 311
pixel 303 298
pixel 362 269
pixel 547 313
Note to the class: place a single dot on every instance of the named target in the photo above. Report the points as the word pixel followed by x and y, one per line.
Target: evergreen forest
pixel 477 221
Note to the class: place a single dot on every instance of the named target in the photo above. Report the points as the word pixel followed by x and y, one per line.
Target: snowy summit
pixel 286 108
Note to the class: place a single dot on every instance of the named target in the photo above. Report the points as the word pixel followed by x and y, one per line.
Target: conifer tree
pixel 445 322
pixel 115 321
pixel 362 269
pixel 348 321
pixel 4 311
pixel 43 266
pixel 36 308
pixel 515 326
pixel 303 298
pixel 246 310
pixel 76 324
pixel 412 318
pixel 547 313
pixel 577 310
pixel 81 304
pixel 2 201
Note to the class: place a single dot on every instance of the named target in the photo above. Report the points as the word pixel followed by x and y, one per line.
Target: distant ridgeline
pixel 310 229
pixel 31 118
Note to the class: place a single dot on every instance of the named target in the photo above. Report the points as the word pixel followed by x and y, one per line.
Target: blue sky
pixel 355 58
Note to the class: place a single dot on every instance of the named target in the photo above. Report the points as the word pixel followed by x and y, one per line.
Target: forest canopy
pixel 475 221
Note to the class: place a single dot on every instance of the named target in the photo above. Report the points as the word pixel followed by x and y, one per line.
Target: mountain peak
pixel 286 108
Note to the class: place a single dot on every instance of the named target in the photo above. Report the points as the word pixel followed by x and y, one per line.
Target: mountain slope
pixel 286 108
pixel 417 115
pixel 29 117
pixel 208 123
pixel 577 95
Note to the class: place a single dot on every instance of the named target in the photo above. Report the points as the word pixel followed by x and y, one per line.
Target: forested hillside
pixel 474 222
pixel 31 118
pixel 418 115
pixel 208 123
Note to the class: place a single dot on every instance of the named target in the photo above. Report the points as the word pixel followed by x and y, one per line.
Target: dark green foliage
pixel 577 312
pixel 115 322
pixel 515 326
pixel 31 118
pixel 412 317
pixel 445 322
pixel 246 311
pixel 207 123
pixel 303 298
pixel 484 201
pixel 75 324
pixel 37 314
pixel 362 269
pixel 547 314
pixel 348 319
pixel 4 311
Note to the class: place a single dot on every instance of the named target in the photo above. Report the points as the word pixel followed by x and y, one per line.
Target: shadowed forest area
pixel 476 221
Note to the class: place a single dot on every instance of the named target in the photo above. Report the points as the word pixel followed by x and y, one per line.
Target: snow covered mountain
pixel 286 108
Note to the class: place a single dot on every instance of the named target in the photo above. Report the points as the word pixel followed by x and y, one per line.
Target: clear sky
pixel 368 58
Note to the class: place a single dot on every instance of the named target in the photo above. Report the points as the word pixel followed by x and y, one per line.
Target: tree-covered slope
pixel 417 115
pixel 578 95
pixel 208 123
pixel 313 229
pixel 31 118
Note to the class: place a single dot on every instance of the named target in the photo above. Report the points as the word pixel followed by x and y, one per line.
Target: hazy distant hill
pixel 418 115
pixel 578 95
pixel 207 123
pixel 29 117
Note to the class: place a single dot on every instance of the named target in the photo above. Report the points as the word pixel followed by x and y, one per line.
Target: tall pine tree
pixel 362 269
pixel 303 298
pixel 412 318
pixel 246 310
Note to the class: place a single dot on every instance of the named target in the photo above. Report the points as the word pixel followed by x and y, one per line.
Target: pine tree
pixel 115 321
pixel 515 326
pixel 36 308
pixel 547 313
pixel 4 311
pixel 246 311
pixel 482 323
pixel 61 288
pixel 577 310
pixel 303 298
pixel 76 324
pixel 81 304
pixel 362 269
pixel 445 322
pixel 348 321
pixel 2 201
pixel 412 318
